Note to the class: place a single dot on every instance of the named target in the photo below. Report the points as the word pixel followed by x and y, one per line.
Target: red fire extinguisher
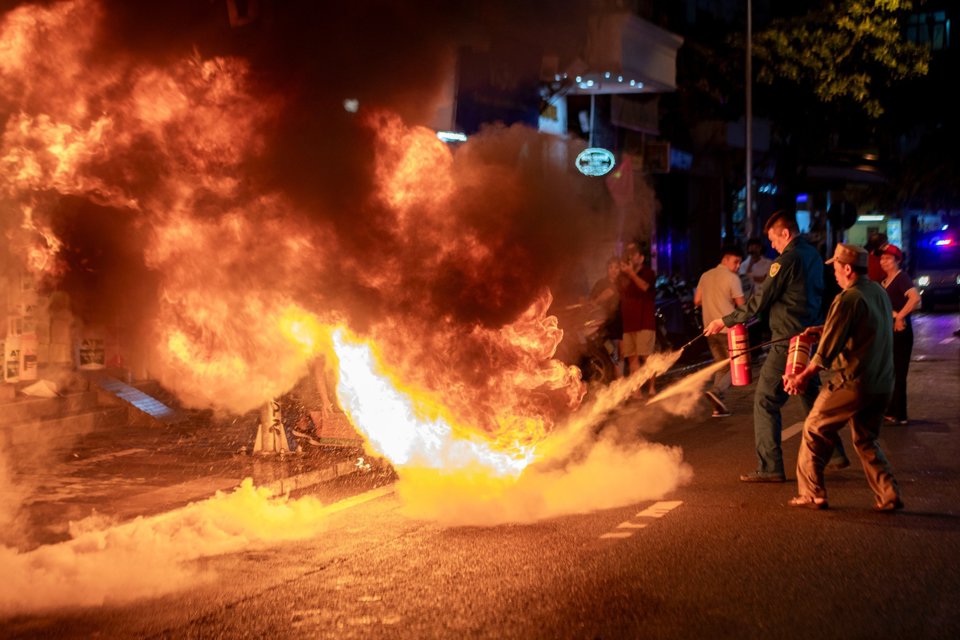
pixel 738 344
pixel 798 355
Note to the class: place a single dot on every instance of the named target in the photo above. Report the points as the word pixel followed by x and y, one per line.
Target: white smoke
pixel 150 557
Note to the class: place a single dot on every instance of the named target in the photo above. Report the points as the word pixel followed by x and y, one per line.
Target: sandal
pixel 888 507
pixel 808 502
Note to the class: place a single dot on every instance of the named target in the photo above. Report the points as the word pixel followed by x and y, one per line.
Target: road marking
pixel 659 509
pixel 656 510
pixel 107 456
pixel 616 535
pixel 662 508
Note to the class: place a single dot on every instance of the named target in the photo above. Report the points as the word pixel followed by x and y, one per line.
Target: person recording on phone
pixel 638 308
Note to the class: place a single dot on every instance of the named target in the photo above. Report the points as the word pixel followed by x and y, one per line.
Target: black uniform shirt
pixel 792 291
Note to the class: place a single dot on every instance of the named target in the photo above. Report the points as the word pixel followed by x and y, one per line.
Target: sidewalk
pixel 126 469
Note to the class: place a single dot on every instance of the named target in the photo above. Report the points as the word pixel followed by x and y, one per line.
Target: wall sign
pixel 595 162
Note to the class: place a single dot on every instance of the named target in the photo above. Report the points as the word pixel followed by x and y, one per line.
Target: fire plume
pixel 411 432
pixel 238 227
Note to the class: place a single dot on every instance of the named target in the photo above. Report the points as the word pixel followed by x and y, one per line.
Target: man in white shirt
pixel 753 271
pixel 755 267
pixel 718 293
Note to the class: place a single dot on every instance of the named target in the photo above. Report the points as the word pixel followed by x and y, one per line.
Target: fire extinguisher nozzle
pixel 700 335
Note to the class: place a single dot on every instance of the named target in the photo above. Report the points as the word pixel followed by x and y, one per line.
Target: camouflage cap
pixel 849 254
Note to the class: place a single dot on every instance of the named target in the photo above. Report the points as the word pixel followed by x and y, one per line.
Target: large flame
pixel 146 187
pixel 408 432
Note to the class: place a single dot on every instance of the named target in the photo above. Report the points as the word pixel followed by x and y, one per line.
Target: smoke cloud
pixel 150 557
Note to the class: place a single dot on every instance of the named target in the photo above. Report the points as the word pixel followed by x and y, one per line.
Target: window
pixel 932 29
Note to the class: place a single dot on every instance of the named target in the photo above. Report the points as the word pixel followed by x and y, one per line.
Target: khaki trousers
pixel 834 408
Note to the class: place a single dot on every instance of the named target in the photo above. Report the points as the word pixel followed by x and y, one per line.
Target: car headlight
pixel 923 281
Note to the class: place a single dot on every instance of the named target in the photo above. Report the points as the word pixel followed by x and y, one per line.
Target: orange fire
pixel 410 429
pixel 247 294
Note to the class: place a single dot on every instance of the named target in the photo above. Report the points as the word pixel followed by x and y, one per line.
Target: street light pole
pixel 748 126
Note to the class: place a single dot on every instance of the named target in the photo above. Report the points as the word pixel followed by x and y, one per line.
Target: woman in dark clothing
pixel 904 299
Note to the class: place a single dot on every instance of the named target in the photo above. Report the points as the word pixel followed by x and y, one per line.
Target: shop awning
pixel 624 54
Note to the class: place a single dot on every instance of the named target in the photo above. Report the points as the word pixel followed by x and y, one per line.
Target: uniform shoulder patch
pixel 774 269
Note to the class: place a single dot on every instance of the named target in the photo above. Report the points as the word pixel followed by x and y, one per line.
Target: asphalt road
pixel 713 559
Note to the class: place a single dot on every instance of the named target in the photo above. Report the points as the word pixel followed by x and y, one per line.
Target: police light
pixel 452 136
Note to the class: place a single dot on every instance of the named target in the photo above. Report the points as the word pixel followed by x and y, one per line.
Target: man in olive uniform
pixel 857 342
pixel 792 292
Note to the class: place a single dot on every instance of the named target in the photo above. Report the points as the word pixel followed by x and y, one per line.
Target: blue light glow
pixel 452 136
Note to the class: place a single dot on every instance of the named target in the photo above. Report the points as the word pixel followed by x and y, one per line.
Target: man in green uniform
pixel 792 292
pixel 856 341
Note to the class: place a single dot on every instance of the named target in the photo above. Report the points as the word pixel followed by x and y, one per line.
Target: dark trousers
pixel 902 348
pixel 720 352
pixel 768 400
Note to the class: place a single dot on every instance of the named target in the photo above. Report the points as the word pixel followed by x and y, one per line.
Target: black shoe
pixel 757 477
pixel 718 404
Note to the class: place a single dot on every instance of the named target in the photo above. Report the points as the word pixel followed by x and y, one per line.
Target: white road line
pixel 791 431
pixel 656 510
pixel 616 535
pixel 659 509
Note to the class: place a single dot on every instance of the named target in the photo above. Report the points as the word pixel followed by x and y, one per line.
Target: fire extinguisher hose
pixel 759 346
pixel 739 353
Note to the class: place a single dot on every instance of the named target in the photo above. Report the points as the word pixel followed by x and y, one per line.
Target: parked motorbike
pixel 587 344
pixel 678 320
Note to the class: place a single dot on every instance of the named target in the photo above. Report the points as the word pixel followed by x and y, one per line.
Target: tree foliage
pixel 846 51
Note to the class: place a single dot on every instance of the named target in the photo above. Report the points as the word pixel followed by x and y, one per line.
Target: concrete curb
pixel 307 479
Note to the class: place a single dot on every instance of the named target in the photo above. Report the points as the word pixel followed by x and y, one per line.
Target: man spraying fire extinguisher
pixel 792 293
